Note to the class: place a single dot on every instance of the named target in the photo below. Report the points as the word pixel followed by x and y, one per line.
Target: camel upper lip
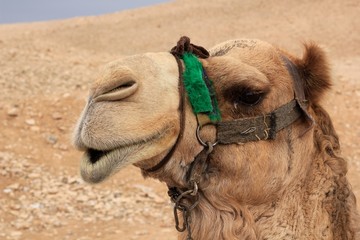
pixel 94 155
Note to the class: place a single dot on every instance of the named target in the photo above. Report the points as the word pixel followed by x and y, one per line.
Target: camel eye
pixel 249 97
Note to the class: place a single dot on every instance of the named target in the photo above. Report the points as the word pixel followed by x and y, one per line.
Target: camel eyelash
pixel 250 97
pixel 245 96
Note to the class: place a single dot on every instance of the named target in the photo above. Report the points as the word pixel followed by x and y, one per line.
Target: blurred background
pixel 16 11
pixel 46 68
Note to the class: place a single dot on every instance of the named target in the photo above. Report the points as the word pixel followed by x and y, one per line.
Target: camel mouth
pixel 97 165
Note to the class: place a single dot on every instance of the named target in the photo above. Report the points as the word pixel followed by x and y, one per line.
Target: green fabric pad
pixel 202 101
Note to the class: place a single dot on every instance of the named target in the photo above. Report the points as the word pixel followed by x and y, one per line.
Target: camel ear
pixel 314 71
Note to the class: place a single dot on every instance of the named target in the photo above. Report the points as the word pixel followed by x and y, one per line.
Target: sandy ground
pixel 46 68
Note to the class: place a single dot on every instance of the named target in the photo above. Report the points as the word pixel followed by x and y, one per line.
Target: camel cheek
pixel 260 175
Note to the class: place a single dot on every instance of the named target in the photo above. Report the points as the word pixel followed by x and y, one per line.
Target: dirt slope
pixel 45 70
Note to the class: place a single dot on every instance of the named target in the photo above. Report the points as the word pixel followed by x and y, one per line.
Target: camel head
pixel 132 116
pixel 237 133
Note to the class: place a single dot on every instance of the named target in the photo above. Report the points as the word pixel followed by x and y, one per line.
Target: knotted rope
pixel 184 45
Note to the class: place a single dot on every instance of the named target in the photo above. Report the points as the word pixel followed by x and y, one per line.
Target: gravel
pixel 42 201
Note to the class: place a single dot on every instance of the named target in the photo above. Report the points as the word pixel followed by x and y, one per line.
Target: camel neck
pixel 310 209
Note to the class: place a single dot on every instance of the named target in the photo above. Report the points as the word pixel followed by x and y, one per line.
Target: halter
pixel 203 100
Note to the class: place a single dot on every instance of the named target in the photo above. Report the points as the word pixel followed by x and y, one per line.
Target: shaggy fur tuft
pixel 314 69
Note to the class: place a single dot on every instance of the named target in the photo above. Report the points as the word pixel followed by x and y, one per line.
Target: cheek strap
pixel 258 128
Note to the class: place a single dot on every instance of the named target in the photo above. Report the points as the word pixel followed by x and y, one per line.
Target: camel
pixel 237 133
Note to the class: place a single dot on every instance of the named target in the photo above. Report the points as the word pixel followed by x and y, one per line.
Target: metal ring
pixel 205 144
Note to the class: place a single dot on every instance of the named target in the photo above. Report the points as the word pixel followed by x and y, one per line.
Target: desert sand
pixel 46 69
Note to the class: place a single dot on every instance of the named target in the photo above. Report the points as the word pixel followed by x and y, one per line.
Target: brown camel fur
pixel 290 187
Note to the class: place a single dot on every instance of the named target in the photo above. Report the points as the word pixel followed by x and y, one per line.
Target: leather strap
pixel 258 128
pixel 182 46
pixel 266 126
pixel 298 89
pixel 181 110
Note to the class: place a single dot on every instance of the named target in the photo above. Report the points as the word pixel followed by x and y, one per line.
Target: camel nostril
pixel 118 92
pixel 122 87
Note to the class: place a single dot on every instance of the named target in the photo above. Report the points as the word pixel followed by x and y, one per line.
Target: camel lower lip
pixel 97 165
